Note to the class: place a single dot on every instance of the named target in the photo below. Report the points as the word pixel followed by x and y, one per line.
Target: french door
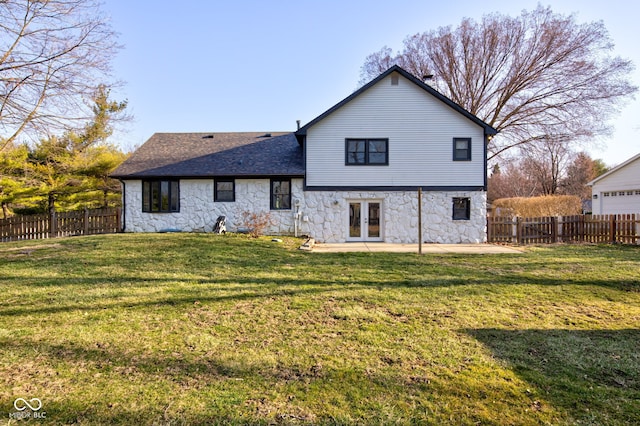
pixel 365 221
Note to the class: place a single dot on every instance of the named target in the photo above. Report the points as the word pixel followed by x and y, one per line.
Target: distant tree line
pixel 539 173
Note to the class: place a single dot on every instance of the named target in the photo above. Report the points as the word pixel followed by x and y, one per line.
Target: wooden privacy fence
pixel 621 228
pixel 60 224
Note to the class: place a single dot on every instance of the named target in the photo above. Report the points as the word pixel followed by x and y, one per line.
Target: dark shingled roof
pixel 195 155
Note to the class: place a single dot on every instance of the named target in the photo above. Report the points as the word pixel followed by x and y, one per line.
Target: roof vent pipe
pixel 298 124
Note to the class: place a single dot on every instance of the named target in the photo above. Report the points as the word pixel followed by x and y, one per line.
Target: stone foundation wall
pixel 324 215
pixel 328 216
pixel 198 212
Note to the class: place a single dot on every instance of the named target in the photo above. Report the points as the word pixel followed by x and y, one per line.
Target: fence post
pixel 612 228
pixel 516 230
pixel 53 224
pixel 86 221
pixel 118 219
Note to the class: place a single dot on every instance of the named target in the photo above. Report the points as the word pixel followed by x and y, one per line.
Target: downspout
pixel 124 205
pixel 296 217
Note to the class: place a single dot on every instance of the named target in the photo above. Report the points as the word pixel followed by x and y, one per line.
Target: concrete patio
pixel 413 248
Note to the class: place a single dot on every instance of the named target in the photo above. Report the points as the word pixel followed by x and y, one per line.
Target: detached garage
pixel 618 190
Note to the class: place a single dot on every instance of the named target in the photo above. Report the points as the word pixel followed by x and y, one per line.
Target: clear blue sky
pixel 222 66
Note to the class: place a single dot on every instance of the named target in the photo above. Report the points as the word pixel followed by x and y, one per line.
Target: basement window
pixel 461 208
pixel 280 194
pixel 225 190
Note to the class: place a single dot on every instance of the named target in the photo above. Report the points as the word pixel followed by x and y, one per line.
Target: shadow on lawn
pixel 249 286
pixel 200 291
pixel 593 375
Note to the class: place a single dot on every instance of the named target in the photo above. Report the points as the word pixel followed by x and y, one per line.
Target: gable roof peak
pixel 614 169
pixel 488 129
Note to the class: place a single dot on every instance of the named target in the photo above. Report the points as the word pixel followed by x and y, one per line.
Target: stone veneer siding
pixel 198 212
pixel 328 220
pixel 326 212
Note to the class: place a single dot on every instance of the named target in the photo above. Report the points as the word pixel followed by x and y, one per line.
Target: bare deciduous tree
pixel 532 77
pixel 511 181
pixel 53 55
pixel 546 162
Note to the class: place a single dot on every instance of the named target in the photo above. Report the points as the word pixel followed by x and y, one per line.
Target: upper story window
pixel 225 190
pixel 280 194
pixel 363 152
pixel 461 149
pixel 160 196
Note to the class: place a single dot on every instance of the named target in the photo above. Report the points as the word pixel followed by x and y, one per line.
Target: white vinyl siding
pixel 625 180
pixel 420 130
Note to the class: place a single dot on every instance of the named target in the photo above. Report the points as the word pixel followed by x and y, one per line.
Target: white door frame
pixel 364 227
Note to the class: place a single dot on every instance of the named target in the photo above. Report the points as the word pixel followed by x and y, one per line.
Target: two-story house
pixel 351 174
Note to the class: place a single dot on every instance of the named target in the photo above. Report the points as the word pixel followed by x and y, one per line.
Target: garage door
pixel 618 202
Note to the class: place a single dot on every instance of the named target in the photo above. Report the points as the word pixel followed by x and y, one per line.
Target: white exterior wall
pixel 328 221
pixel 198 212
pixel 420 129
pixel 623 189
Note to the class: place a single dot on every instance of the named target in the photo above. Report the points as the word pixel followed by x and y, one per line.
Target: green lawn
pixel 208 329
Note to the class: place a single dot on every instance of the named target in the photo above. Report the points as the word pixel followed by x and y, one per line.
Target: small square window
pixel 461 149
pixel 224 190
pixel 461 209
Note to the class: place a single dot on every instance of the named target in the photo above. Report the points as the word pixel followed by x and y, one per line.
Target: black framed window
pixel 363 152
pixel 461 149
pixel 224 190
pixel 461 209
pixel 280 194
pixel 160 196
